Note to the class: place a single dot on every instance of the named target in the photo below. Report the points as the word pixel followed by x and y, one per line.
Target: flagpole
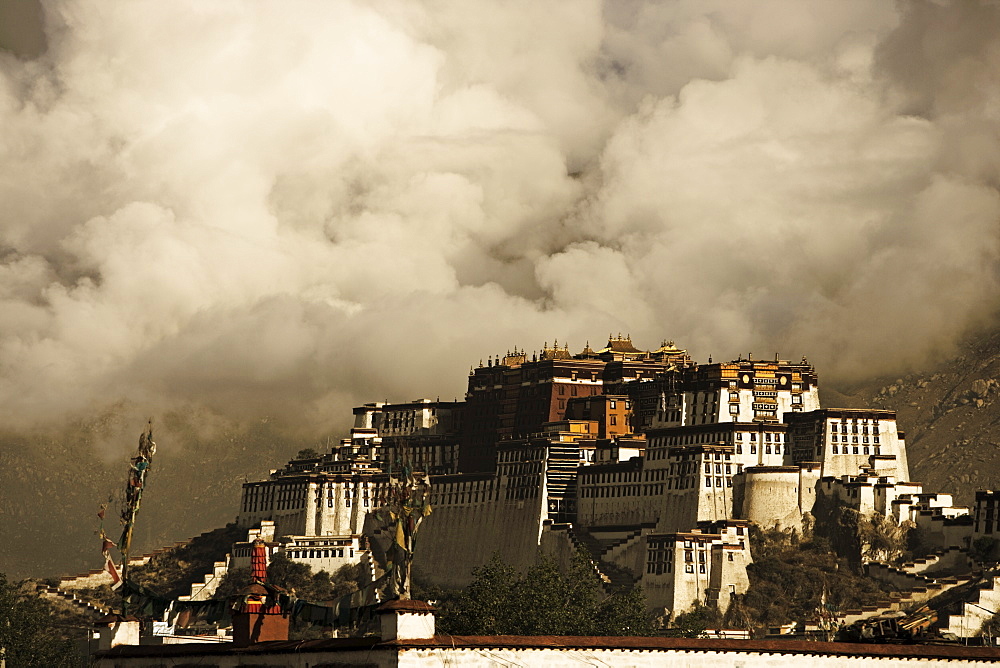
pixel 138 469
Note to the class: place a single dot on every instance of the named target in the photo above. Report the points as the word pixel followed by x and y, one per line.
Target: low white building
pixel 704 566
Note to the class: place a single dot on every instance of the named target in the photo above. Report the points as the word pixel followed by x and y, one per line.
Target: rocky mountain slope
pixel 52 485
pixel 950 413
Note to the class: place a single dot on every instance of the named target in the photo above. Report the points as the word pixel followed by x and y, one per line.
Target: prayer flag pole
pixel 138 470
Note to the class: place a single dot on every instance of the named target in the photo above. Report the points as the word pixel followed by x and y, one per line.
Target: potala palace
pixel 651 463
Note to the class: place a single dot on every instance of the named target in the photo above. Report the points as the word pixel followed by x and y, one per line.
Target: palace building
pixel 653 465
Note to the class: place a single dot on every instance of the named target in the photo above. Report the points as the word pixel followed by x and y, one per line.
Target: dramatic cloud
pixel 287 208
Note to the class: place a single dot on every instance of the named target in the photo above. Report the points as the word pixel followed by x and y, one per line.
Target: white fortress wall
pixel 475 516
pixel 771 496
pixel 610 494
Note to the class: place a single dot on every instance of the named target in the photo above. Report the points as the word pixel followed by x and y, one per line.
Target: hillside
pixel 950 414
pixel 52 484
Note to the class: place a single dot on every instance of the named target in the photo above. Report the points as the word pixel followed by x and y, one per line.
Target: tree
pixel 233 582
pixel 623 614
pixel 28 637
pixel 984 550
pixel 793 582
pixel 307 453
pixel 545 600
pixel 693 624
pixel 991 627
pixel 883 540
pixel 484 607
pixel 298 579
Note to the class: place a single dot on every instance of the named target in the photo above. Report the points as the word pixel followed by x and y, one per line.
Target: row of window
pixel 660 569
pixel 845 450
pixel 470 497
pixel 317 554
pixel 608 492
pixel 617 478
pixel 716 437
pixel 854 439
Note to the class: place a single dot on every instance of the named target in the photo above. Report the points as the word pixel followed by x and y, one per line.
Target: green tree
pixel 882 538
pixel 793 582
pixel 28 637
pixel 991 627
pixel 623 614
pixel 545 600
pixel 233 582
pixel 693 624
pixel 484 607
pixel 299 580
pixel 984 550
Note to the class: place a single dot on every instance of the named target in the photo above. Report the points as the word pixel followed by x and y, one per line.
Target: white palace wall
pixel 472 520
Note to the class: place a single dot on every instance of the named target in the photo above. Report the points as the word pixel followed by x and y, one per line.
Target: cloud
pixel 299 206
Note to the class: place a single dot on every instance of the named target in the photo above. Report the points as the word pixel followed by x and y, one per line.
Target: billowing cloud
pixel 292 207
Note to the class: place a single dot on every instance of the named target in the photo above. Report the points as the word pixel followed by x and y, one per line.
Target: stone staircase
pixel 55 593
pixel 963 602
pixel 975 604
pixel 917 585
pixel 205 589
pixel 616 549
pixel 98 576
pixel 952 559
pixel 613 578
pixel 895 602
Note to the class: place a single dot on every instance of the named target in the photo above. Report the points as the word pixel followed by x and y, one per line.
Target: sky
pixel 288 208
